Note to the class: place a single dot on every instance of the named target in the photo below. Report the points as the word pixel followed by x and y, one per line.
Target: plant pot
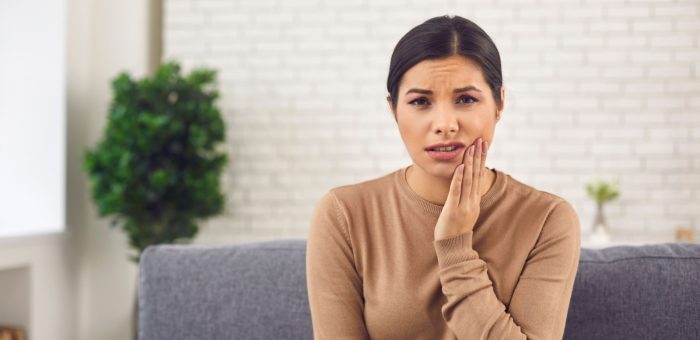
pixel 600 230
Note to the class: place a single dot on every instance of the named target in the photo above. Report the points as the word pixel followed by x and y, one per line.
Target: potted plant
pixel 156 171
pixel 601 192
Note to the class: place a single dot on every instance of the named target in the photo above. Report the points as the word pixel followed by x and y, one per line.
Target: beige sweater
pixel 374 270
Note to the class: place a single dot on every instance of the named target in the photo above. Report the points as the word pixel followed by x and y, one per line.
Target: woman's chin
pixel 443 170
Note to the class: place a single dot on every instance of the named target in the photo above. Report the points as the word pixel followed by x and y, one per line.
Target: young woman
pixel 445 248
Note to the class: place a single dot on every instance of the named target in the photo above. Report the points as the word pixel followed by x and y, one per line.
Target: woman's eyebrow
pixel 461 89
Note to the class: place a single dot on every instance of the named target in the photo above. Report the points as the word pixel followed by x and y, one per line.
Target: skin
pixel 467 117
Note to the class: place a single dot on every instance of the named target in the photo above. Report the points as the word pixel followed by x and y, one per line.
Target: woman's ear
pixel 391 107
pixel 503 97
pixel 499 110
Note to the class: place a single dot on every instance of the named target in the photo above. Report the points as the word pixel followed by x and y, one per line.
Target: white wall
pixel 38 271
pixel 82 285
pixel 32 116
pixel 593 88
pixel 105 37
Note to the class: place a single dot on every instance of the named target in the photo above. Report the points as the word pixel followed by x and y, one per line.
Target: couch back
pixel 258 291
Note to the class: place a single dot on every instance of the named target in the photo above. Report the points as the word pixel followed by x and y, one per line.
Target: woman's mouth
pixel 446 153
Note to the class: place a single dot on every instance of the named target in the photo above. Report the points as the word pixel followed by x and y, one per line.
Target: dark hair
pixel 442 37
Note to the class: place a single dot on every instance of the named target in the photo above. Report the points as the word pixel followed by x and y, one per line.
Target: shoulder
pixel 353 195
pixel 544 200
pixel 558 215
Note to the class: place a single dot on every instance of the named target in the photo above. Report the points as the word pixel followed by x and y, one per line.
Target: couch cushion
pixel 258 291
pixel 636 292
pixel 247 291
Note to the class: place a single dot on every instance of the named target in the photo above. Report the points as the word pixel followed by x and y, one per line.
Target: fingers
pixel 474 163
pixel 476 182
pixel 485 147
pixel 456 186
pixel 467 177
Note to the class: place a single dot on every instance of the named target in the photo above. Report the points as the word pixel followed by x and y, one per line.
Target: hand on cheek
pixel 462 207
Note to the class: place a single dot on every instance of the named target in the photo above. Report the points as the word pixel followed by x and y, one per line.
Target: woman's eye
pixel 415 100
pixel 470 100
pixel 468 97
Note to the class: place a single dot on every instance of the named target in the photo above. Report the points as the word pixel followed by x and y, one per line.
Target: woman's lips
pixel 445 155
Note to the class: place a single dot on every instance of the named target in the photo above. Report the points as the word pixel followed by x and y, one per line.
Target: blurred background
pixel 594 90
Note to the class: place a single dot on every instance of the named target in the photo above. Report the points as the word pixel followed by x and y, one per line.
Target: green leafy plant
pixel 156 170
pixel 602 191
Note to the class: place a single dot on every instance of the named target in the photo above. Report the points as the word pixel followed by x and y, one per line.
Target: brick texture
pixel 607 89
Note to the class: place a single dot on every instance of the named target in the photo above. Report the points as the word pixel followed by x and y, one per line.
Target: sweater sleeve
pixel 334 286
pixel 540 301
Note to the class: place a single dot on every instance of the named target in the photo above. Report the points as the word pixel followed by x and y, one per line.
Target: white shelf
pixel 14 297
pixel 619 241
pixel 598 245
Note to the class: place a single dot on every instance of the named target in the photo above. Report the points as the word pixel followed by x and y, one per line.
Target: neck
pixel 435 189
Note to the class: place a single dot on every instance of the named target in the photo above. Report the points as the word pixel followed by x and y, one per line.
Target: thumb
pixel 455 187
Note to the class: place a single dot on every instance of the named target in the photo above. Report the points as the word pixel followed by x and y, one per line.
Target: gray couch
pixel 258 291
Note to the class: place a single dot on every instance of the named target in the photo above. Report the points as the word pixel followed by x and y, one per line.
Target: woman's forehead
pixel 443 74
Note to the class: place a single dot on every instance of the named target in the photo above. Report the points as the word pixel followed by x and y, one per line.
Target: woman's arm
pixel 334 287
pixel 540 302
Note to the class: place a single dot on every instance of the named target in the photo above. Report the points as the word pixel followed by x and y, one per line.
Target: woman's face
pixel 442 115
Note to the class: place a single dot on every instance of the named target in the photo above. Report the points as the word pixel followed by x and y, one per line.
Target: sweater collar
pixel 487 199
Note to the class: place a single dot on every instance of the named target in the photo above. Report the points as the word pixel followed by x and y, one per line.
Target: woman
pixel 444 248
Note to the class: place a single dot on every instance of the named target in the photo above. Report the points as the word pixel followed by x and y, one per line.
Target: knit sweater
pixel 375 271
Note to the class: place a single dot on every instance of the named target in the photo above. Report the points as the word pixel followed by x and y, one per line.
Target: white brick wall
pixel 594 89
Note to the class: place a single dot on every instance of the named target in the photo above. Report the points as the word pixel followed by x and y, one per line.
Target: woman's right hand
pixel 463 204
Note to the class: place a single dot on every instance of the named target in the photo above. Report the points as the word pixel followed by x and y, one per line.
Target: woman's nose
pixel 445 121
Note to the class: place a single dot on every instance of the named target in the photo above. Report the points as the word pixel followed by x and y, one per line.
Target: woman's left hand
pixel 462 207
